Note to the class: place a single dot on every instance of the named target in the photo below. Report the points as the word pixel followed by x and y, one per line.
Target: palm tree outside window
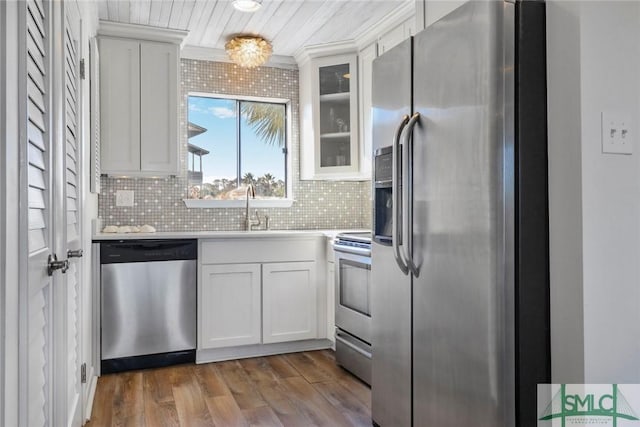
pixel 246 143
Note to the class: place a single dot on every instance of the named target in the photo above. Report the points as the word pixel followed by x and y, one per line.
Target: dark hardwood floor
pixel 298 389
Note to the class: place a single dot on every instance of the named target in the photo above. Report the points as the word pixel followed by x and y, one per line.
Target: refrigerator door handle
pixel 407 144
pixel 396 167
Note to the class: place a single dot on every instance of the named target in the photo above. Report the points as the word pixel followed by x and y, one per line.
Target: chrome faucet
pixel 248 224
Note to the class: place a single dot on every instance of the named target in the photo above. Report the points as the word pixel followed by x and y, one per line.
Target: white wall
pixel 610 58
pixel 594 66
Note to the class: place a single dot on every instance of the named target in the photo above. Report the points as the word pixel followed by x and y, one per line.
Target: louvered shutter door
pixel 38 319
pixel 73 189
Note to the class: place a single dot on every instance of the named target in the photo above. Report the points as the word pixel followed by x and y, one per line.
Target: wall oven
pixel 353 303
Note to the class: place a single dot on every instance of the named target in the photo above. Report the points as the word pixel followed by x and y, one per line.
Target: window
pixel 234 143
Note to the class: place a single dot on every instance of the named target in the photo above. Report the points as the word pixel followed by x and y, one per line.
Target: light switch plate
pixel 617 137
pixel 124 198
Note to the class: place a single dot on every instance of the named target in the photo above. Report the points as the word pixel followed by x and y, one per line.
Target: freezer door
pixel 463 329
pixel 390 288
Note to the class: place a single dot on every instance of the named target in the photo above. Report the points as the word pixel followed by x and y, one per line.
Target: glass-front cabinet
pixel 334 125
pixel 335 115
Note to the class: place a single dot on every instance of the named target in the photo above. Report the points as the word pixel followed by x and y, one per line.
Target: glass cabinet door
pixel 335 115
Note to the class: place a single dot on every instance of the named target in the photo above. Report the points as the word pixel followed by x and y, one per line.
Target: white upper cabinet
pixel 396 35
pixel 365 68
pixel 159 107
pixel 329 122
pixel 138 101
pixel 120 105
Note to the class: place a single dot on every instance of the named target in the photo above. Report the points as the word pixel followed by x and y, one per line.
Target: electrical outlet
pixel 124 198
pixel 616 133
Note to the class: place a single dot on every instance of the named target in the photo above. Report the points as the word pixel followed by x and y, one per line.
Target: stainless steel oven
pixel 353 303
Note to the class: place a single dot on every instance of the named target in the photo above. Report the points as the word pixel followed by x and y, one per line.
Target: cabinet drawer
pixel 231 251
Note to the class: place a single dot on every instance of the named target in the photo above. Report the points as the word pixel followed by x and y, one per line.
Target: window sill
pixel 253 203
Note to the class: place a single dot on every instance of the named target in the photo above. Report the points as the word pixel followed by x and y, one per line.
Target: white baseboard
pixel 257 350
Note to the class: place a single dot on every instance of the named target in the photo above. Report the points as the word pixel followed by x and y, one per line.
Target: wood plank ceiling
pixel 288 24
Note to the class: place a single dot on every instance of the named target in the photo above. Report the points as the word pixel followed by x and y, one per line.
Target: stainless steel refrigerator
pixel 460 272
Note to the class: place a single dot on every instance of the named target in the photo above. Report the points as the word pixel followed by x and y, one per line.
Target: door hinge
pixel 82 74
pixel 83 373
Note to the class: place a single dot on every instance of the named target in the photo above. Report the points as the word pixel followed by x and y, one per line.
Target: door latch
pixel 74 254
pixel 53 264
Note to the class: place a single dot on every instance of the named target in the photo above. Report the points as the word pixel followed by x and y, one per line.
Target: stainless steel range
pixel 353 303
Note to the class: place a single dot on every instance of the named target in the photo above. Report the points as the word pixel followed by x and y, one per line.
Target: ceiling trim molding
pixel 386 24
pixel 141 32
pixel 371 35
pixel 219 55
pixel 306 53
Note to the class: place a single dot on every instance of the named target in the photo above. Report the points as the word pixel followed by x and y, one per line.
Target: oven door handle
pixel 353 251
pixel 352 346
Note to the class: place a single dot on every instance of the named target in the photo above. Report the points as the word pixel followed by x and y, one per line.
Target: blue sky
pixel 218 116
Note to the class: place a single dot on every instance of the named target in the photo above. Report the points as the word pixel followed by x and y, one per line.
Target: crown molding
pixel 370 35
pixel 386 24
pixel 219 55
pixel 306 53
pixel 141 32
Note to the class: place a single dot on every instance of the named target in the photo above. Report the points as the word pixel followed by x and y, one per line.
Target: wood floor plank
pixel 269 384
pixel 190 404
pixel 281 366
pixel 158 385
pixel 346 402
pixel 238 382
pixel 261 417
pixel 259 371
pixel 210 381
pixel 311 371
pixel 128 402
pixel 278 399
pixel 326 359
pixel 225 412
pixel 102 412
pixel 283 390
pixel 315 406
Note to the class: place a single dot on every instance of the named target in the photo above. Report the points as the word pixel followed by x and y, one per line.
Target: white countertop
pixel 221 234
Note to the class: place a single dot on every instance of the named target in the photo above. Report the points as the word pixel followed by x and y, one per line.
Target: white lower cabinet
pixel 289 302
pixel 230 309
pixel 259 296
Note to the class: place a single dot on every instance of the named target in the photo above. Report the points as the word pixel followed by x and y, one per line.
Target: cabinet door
pixel 365 69
pixel 336 116
pixel 391 39
pixel 159 107
pixel 229 305
pixel 120 105
pixel 289 302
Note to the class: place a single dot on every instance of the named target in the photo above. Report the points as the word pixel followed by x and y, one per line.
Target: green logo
pixel 586 405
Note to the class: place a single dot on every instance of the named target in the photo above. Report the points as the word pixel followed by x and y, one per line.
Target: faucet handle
pixel 255 224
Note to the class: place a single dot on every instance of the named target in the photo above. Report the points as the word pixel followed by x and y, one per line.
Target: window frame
pixel 258 203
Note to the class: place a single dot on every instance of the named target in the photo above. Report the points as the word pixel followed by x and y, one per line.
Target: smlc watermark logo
pixel 561 405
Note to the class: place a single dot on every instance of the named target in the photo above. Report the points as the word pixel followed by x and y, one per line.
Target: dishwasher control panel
pixel 147 250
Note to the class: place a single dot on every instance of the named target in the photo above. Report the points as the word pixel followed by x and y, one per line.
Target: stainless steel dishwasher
pixel 148 303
